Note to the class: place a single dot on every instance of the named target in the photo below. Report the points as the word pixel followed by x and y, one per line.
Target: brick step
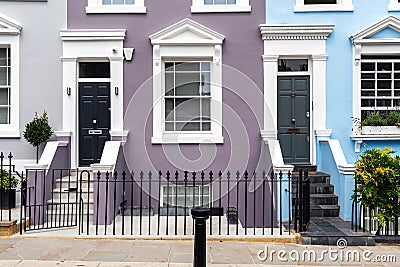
pixel 317 178
pixel 324 210
pixel 323 199
pixel 317 188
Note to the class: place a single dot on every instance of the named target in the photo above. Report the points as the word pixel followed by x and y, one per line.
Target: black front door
pixel 94 121
pixel 294 119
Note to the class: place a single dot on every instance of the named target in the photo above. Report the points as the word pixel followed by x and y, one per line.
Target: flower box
pixel 380 130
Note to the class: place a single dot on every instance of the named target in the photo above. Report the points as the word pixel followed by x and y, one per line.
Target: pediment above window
pixel 187 32
pixel 386 30
pixel 9 25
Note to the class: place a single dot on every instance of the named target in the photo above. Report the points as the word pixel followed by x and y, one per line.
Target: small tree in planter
pixel 8 183
pixel 38 131
pixel 378 183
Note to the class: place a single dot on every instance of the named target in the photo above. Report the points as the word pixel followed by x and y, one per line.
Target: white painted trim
pixel 50 151
pixel 89 45
pixel 187 139
pixel 376 46
pixel 62 134
pixel 342 5
pixel 296 41
pixel 187 40
pixel 109 157
pixel 198 6
pixel 338 155
pixel 394 5
pixel 96 7
pixel 276 157
pixel 10 36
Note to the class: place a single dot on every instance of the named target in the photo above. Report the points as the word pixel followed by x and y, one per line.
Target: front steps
pixel 326 227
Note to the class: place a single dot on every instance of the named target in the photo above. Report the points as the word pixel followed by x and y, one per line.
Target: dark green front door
pixel 294 119
pixel 94 121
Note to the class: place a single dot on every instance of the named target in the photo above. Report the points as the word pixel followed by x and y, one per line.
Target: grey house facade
pixel 30 70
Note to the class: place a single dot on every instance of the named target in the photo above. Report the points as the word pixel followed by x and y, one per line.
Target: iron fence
pixel 10 178
pixel 159 203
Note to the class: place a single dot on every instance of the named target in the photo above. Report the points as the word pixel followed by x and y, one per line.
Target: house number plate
pixel 293 130
pixel 95 131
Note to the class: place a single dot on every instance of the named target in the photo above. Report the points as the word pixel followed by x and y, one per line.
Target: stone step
pixel 310 168
pixel 334 231
pixel 324 210
pixel 315 178
pixel 323 199
pixel 321 188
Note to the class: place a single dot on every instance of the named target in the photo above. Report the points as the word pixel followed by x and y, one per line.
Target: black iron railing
pixel 159 203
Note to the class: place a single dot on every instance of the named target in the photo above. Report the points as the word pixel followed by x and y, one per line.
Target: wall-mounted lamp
pixel 128 53
pixel 68 90
pixel 116 90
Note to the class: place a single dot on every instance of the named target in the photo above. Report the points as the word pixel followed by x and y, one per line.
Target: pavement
pixel 101 252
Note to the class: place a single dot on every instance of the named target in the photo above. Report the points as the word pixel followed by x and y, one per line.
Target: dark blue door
pixel 94 121
pixel 294 119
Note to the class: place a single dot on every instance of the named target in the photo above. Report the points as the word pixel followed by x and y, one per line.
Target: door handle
pixel 293 120
pixel 94 121
pixel 308 114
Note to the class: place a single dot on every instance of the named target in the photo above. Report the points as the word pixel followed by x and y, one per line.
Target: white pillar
pixel 270 97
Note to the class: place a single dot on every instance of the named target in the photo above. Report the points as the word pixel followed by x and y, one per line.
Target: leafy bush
pixel 7 181
pixel 38 131
pixel 391 118
pixel 377 176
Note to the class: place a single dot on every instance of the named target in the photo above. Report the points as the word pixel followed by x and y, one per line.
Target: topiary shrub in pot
pixel 8 183
pixel 38 131
pixel 378 183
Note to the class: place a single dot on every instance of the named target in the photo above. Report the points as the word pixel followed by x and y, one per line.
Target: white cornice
pixel 93 34
pixel 170 35
pixel 296 31
pixel 388 22
pixel 9 26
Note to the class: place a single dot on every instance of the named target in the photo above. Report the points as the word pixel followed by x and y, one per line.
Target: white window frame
pixel 364 45
pixel 187 40
pixel 96 6
pixel 197 186
pixel 394 5
pixel 10 37
pixel 341 5
pixel 198 6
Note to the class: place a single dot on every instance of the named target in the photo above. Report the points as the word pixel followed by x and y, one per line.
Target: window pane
pixel 130 2
pixel 205 83
pixel 118 2
pixel 384 66
pixel 368 75
pixel 231 2
pixel 293 65
pixel 206 109
pixel 4 115
pixel 3 76
pixel 106 2
pixel 169 126
pixel 3 96
pixel 206 126
pixel 384 84
pixel 208 2
pixel 367 93
pixel 187 66
pixel 169 66
pixel 188 126
pixel 368 84
pixel 368 102
pixel 205 66
pixel 169 109
pixel 385 75
pixel 367 66
pixel 219 2
pixel 384 93
pixel 187 109
pixel 383 103
pixel 187 84
pixel 94 70
pixel 169 84
pixel 3 56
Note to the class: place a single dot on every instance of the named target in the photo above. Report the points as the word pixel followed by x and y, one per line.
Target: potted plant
pixel 38 131
pixel 378 183
pixel 8 183
pixel 378 123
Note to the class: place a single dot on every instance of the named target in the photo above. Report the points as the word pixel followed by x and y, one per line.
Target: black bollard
pixel 200 216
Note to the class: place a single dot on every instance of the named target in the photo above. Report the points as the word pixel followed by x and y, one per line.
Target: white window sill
pixel 319 8
pixel 187 139
pixel 10 134
pixel 394 7
pixel 115 9
pixel 220 8
pixel 380 137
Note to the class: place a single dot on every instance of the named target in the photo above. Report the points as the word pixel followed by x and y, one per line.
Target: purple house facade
pixel 181 83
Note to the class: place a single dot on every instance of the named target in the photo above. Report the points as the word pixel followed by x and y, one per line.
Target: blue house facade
pixel 327 64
